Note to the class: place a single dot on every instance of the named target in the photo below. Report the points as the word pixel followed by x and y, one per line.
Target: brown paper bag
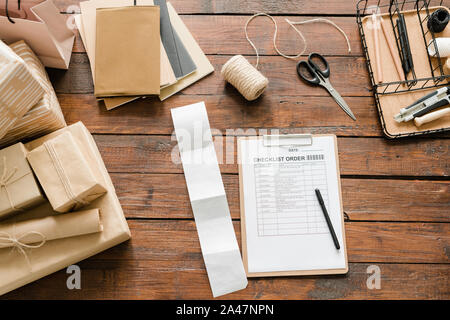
pixel 127 53
pixel 46 116
pixel 65 174
pixel 19 189
pixel 44 29
pixel 19 90
pixel 58 254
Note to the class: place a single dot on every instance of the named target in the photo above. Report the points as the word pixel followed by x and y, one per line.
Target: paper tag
pixel 220 249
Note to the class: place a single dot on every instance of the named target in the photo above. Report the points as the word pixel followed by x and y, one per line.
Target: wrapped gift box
pixel 46 115
pixel 19 189
pixel 65 173
pixel 17 270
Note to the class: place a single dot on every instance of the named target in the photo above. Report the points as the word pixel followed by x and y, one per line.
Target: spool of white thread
pixel 244 77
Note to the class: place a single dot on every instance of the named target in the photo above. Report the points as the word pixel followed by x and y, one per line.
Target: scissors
pixel 317 76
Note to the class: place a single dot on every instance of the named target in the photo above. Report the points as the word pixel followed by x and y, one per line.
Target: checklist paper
pixel 285 228
pixel 208 199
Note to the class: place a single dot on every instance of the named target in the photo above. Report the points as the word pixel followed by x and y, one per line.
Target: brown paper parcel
pixel 65 174
pixel 19 90
pixel 46 116
pixel 19 189
pixel 49 228
pixel 127 52
pixel 58 254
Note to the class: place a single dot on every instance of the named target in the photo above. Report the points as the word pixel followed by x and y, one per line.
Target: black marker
pixel 327 218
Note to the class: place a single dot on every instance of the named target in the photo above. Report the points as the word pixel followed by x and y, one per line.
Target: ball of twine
pixel 244 77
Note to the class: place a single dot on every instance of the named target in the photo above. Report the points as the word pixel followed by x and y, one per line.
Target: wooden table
pixel 396 193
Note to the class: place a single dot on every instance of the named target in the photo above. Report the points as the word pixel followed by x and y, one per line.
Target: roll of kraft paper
pixel 443 47
pixel 53 227
pixel 218 242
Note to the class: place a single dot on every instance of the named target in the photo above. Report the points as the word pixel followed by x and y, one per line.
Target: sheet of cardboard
pixel 180 60
pixel 127 51
pixel 86 24
pixel 204 67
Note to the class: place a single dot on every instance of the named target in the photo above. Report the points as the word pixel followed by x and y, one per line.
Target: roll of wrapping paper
pixel 50 228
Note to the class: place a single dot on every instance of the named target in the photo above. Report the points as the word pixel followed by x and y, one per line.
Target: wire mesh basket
pixel 412 82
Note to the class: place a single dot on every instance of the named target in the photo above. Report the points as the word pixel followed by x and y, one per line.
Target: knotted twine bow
pixel 7 240
pixel 4 181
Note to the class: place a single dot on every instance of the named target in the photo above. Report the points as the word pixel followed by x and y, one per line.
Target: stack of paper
pixel 116 47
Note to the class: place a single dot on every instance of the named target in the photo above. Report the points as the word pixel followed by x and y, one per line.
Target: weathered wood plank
pixel 357 156
pixel 164 196
pixel 332 7
pixel 406 242
pixel 229 37
pixel 155 279
pixel 147 267
pixel 150 116
pixel 299 7
pixel 348 76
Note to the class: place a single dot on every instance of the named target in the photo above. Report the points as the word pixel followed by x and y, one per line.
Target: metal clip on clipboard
pixel 279 140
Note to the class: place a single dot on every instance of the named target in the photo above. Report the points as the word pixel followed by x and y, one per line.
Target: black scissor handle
pixel 307 73
pixel 322 67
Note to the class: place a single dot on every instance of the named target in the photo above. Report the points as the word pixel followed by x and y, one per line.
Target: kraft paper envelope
pixel 86 24
pixel 58 254
pixel 127 52
pixel 167 78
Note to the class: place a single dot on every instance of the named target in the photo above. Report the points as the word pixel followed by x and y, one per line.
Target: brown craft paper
pixel 49 228
pixel 65 174
pixel 127 53
pixel 391 104
pixel 19 90
pixel 46 116
pixel 18 187
pixel 87 26
pixel 58 254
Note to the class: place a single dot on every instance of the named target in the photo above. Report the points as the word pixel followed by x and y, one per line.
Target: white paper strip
pixel 220 249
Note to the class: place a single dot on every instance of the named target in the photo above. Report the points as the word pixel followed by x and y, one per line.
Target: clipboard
pixel 290 140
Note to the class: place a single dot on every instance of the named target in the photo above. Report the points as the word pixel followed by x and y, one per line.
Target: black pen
pixel 327 218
